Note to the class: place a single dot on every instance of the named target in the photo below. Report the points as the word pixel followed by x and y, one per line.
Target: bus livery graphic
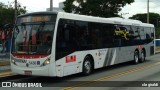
pixel 121 32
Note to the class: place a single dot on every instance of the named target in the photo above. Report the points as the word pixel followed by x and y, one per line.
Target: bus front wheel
pixel 87 66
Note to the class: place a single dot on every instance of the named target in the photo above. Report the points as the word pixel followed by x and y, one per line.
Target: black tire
pixel 87 66
pixel 136 57
pixel 143 56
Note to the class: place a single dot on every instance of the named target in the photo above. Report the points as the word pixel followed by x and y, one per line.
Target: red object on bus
pixel 139 46
pixel 29 56
pixel 71 59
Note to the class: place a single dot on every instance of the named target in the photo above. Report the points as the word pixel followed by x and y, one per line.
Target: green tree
pixel 157 32
pixel 7 13
pixel 101 8
pixel 153 18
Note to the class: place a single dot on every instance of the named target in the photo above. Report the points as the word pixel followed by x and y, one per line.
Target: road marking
pixel 112 76
pixel 157 63
pixel 5 74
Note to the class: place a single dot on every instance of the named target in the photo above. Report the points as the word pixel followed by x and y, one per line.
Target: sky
pixel 139 6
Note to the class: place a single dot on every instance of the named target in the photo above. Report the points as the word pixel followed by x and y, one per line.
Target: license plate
pixel 28 72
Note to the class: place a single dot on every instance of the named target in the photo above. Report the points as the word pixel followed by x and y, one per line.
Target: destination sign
pixel 36 18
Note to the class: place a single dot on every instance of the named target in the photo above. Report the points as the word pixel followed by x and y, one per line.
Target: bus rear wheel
pixel 136 57
pixel 143 56
pixel 87 66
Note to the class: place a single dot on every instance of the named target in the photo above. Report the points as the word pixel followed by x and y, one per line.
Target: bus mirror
pixel 17 29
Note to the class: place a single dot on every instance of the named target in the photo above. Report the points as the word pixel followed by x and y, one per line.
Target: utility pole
pixel 51 5
pixel 147 11
pixel 15 13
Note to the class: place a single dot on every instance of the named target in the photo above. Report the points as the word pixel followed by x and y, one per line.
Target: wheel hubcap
pixel 87 66
pixel 142 56
pixel 136 58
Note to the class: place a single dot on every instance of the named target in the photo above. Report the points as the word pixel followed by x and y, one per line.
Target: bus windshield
pixel 33 37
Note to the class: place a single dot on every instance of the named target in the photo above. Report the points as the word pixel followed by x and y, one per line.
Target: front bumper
pixel 36 71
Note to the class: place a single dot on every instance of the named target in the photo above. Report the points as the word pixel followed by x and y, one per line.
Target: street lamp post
pixel 15 9
pixel 147 11
pixel 51 5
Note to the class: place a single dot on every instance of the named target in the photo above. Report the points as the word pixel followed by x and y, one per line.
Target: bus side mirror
pixel 17 29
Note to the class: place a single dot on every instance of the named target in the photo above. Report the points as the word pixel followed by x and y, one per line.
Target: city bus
pixel 58 44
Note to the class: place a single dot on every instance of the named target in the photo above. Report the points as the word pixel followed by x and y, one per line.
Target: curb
pixel 4 63
pixel 5 68
pixel 6 74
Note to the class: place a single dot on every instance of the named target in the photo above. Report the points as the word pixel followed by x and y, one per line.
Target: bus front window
pixel 33 38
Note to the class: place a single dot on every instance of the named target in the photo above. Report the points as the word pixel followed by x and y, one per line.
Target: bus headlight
pixel 46 62
pixel 13 61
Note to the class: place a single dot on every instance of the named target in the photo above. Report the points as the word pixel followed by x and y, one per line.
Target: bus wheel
pixel 87 66
pixel 136 57
pixel 143 57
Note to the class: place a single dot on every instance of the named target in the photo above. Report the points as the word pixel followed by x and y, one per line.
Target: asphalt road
pixel 125 76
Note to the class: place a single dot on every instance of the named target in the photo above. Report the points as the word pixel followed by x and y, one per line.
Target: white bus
pixel 60 44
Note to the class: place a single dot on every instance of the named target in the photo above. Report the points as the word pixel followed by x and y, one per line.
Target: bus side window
pixel 65 38
pixel 66 33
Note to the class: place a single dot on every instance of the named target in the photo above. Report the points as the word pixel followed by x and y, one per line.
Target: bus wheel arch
pixel 88 65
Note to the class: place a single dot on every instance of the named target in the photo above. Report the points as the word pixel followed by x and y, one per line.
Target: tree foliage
pixel 101 8
pixel 7 12
pixel 157 32
pixel 153 18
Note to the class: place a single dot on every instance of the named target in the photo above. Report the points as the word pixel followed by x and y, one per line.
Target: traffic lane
pixel 135 80
pixel 102 72
pixel 108 71
pixel 154 57
pixel 149 73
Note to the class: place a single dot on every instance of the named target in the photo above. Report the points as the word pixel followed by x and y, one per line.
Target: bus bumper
pixel 36 71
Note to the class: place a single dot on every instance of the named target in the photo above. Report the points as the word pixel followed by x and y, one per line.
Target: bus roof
pixel 37 13
pixel 113 20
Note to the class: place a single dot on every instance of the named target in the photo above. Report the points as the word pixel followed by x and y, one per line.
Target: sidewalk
pixel 4 62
